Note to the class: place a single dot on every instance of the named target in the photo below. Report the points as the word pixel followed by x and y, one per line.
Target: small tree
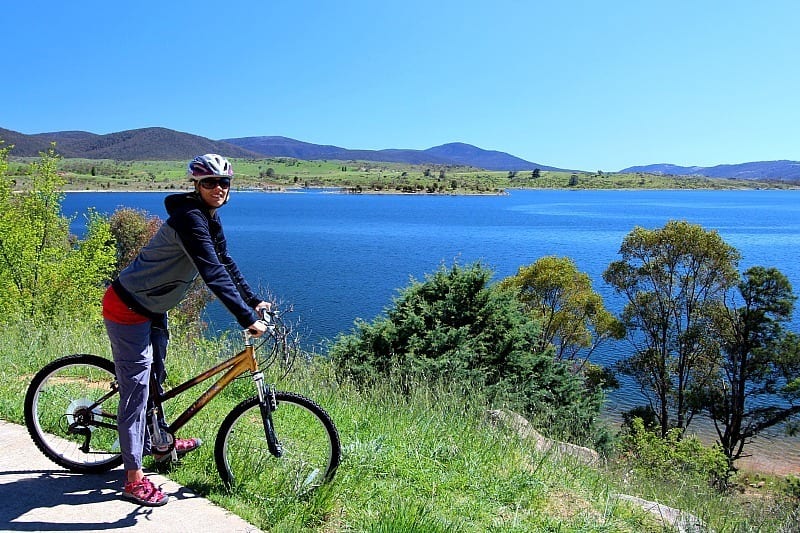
pixel 758 383
pixel 44 271
pixel 670 277
pixel 132 229
pixel 572 315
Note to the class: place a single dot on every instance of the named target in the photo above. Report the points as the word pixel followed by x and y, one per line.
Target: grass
pixel 424 462
pixel 360 176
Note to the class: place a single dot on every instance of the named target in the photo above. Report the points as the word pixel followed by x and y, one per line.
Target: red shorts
pixel 115 310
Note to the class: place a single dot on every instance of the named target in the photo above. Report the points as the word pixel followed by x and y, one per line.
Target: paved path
pixel 38 495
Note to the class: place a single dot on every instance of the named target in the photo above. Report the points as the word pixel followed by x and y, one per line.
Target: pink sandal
pixel 144 492
pixel 182 447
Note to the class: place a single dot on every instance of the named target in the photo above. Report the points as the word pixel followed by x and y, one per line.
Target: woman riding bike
pixel 190 243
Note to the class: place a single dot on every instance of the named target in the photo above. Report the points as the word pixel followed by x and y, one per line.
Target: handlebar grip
pixel 268 314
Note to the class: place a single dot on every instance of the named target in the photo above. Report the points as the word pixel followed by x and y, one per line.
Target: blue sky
pixel 584 85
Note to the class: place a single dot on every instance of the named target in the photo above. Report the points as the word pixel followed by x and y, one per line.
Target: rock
pixel 524 429
pixel 682 521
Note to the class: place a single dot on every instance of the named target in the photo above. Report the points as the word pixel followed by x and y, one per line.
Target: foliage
pixel 673 457
pixel 572 316
pixel 44 271
pixel 792 487
pixel 454 327
pixel 132 229
pixel 670 278
pixel 760 358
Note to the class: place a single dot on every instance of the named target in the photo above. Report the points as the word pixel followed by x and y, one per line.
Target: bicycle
pixel 275 439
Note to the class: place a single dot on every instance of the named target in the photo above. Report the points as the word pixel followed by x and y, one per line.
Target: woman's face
pixel 218 192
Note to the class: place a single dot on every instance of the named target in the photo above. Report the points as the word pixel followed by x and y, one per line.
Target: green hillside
pixel 428 461
pixel 360 176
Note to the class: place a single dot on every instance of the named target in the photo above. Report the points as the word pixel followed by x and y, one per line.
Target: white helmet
pixel 210 165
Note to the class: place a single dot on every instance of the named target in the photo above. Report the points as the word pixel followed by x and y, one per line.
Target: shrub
pixel 673 457
pixel 456 328
pixel 132 229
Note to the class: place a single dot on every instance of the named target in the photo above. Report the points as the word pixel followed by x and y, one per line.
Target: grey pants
pixel 136 348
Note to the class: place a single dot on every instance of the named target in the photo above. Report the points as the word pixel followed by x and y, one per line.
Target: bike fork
pixel 268 404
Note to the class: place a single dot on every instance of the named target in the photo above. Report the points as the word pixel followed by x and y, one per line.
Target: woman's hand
pixel 257 328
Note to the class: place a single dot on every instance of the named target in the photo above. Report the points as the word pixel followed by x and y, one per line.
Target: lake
pixel 338 257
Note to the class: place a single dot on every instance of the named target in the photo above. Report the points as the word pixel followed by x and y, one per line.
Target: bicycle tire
pixel 308 437
pixel 63 420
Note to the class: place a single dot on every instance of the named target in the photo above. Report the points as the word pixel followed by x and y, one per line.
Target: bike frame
pixel 236 366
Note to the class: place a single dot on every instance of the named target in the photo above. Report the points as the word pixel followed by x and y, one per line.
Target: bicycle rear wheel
pixel 71 413
pixel 307 435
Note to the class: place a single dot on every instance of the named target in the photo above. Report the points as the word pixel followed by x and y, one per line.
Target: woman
pixel 189 243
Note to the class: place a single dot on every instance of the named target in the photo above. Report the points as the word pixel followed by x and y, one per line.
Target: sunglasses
pixel 212 183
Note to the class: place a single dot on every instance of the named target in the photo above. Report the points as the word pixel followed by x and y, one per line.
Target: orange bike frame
pixel 237 365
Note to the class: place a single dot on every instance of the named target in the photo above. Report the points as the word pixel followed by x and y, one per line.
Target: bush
pixel 132 228
pixel 672 458
pixel 455 327
pixel 792 487
pixel 44 271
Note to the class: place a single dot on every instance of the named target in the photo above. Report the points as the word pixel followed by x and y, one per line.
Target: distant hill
pixel 771 170
pixel 286 147
pixel 130 145
pixel 488 159
pixel 165 144
pixel 447 154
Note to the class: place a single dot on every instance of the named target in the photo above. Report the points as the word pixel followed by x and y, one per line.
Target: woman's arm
pixel 195 235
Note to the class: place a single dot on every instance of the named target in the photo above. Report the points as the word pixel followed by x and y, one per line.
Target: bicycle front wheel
pixel 71 413
pixel 307 436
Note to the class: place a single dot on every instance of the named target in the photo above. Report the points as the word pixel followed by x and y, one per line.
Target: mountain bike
pixel 275 439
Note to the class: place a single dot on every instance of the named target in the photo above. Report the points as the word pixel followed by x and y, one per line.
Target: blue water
pixel 338 257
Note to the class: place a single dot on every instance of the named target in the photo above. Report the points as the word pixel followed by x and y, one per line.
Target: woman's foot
pixel 144 492
pixel 182 447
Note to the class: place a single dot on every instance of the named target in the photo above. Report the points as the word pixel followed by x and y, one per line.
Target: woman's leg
pixel 159 338
pixel 133 357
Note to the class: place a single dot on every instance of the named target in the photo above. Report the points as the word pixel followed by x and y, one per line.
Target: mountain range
pixel 166 144
pixel 764 170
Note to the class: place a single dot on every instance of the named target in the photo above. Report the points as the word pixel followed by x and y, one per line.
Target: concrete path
pixel 38 495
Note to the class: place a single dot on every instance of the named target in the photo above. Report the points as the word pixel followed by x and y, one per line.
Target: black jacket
pixel 190 242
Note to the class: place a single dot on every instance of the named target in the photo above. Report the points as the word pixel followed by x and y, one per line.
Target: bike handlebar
pixel 267 318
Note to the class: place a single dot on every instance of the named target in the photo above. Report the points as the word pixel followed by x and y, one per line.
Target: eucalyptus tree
pixel 573 317
pixel 758 381
pixel 670 277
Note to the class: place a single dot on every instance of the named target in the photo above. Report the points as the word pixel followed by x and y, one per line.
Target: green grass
pixel 424 462
pixel 360 176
